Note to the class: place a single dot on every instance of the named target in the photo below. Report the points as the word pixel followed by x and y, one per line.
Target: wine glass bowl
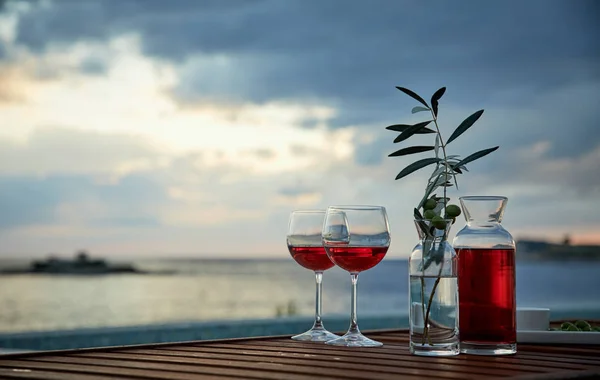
pixel 306 248
pixel 356 238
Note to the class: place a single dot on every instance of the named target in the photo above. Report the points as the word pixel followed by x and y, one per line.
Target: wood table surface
pixel 279 357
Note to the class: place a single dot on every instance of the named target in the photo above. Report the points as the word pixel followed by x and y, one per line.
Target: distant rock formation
pixel 542 250
pixel 82 264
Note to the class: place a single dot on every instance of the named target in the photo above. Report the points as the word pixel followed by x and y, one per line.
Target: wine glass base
pixel 315 335
pixel 353 339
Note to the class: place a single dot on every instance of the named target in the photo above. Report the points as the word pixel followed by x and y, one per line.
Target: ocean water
pixel 205 290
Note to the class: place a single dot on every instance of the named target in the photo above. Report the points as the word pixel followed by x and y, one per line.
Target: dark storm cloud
pixel 351 54
pixel 336 47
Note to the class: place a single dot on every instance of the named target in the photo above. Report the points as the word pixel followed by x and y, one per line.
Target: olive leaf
pixel 437 172
pixel 434 99
pixel 466 124
pixel 441 181
pixel 410 150
pixel 416 166
pixel 417 214
pixel 411 131
pixel 419 109
pixel 403 127
pixel 474 156
pixel 413 95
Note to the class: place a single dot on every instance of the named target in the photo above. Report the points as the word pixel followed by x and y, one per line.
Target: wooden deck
pixel 281 358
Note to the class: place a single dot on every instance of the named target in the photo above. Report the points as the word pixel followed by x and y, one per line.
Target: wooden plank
pixel 373 365
pixel 578 351
pixel 342 356
pixel 145 345
pixel 525 350
pixel 403 350
pixel 258 368
pixel 18 373
pixel 144 371
pixel 585 375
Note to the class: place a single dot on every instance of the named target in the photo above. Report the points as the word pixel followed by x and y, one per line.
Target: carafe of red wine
pixel 486 279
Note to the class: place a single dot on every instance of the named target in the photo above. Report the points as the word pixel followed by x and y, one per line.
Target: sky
pixel 193 128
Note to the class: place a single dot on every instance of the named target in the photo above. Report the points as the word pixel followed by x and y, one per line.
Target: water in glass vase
pixel 439 336
pixel 487 298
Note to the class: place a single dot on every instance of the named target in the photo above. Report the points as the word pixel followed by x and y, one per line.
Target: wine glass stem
pixel 353 319
pixel 319 281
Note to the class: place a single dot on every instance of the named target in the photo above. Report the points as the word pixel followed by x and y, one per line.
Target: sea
pixel 234 289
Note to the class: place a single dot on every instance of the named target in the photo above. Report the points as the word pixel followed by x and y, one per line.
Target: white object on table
pixel 533 318
pixel 533 325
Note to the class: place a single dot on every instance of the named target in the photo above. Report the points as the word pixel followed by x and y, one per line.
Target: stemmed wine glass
pixel 356 238
pixel 305 246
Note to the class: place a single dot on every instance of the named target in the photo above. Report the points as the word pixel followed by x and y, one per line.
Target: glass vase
pixel 486 278
pixel 433 287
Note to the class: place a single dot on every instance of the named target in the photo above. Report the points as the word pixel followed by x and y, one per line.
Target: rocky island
pixel 542 250
pixel 82 264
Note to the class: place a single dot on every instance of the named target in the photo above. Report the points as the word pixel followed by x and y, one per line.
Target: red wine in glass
pixel 356 238
pixel 305 245
pixel 313 258
pixel 486 281
pixel 356 259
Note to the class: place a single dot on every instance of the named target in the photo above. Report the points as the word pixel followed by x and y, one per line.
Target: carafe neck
pixel 483 211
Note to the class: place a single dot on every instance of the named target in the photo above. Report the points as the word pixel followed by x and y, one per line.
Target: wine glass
pixel 356 238
pixel 305 246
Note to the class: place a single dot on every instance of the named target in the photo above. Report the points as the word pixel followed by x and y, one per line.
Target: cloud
pixel 77 200
pixel 94 66
pixel 191 204
pixel 351 56
pixel 67 151
pixel 548 139
pixel 10 88
pixel 351 50
pixel 266 106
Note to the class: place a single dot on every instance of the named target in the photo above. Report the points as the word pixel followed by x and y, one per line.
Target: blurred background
pixel 177 136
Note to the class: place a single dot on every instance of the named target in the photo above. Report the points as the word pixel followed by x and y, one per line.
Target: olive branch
pixel 447 169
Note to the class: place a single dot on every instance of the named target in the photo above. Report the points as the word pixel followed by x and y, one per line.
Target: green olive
pixel 583 325
pixel 566 325
pixel 438 222
pixel 429 214
pixel 430 204
pixel 579 325
pixel 452 211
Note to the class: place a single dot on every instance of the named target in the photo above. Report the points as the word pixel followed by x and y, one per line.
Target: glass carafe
pixel 486 279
